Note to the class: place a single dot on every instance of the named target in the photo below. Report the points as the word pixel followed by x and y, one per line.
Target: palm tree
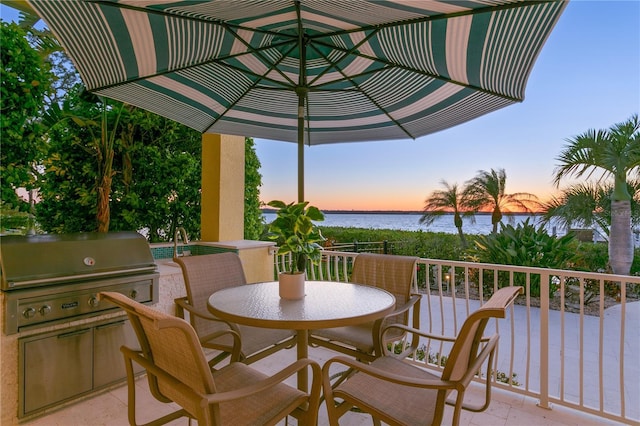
pixel 486 191
pixel 446 201
pixel 585 205
pixel 589 205
pixel 615 152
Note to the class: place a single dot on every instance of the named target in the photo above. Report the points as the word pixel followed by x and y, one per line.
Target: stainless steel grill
pixel 54 278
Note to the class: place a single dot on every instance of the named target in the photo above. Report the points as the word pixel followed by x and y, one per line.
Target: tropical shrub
pixel 25 82
pixel 524 245
pixel 253 219
pixel 13 220
pixel 431 245
pixel 591 257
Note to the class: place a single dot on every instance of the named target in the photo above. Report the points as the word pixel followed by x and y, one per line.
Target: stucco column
pixel 222 202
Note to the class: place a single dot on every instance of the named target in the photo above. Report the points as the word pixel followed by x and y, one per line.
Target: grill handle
pixel 79 277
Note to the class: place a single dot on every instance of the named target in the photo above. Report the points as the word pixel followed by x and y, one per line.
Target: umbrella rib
pixel 246 92
pixel 421 72
pixel 476 11
pixel 231 28
pixel 271 64
pixel 182 15
pixel 258 53
pixel 220 61
pixel 346 53
pixel 368 96
pixel 471 12
pixel 316 39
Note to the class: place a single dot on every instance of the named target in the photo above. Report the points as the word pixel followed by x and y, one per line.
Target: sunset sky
pixel 587 76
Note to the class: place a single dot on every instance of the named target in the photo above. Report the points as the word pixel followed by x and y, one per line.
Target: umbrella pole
pixel 301 149
pixel 301 91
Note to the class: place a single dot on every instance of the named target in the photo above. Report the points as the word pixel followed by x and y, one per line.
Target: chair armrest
pixel 234 350
pixel 416 333
pixel 419 332
pixel 182 304
pixel 219 397
pixel 378 335
pixel 384 375
pixel 414 301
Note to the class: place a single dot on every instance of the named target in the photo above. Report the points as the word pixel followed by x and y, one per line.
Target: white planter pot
pixel 292 285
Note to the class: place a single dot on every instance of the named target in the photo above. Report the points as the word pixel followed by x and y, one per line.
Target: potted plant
pixel 297 236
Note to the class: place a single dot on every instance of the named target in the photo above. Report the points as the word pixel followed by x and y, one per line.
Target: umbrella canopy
pixel 311 72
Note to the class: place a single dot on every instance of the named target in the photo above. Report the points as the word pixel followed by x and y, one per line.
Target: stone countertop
pixel 168 267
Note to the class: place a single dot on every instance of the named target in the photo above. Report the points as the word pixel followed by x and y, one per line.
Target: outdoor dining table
pixel 326 304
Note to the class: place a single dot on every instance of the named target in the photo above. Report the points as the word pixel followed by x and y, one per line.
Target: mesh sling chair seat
pixel 396 392
pixel 178 371
pixel 389 272
pixel 206 274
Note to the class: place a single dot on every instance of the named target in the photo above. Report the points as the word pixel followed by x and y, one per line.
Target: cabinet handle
pixel 73 333
pixel 111 324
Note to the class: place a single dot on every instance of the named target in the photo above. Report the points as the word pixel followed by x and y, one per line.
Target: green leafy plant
pixel 296 234
pixel 525 245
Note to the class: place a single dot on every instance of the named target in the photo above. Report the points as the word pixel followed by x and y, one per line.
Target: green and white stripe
pixel 374 69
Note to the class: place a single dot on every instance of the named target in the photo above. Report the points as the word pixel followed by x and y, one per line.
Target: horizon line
pixel 357 211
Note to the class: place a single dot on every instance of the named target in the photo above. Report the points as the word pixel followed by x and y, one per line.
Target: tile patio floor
pixel 110 408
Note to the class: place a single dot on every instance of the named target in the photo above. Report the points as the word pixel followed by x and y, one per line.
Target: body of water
pixel 410 222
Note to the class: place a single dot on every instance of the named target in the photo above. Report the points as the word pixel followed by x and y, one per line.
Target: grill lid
pixel 49 259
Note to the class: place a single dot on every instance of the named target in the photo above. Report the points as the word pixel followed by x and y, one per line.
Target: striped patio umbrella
pixel 306 71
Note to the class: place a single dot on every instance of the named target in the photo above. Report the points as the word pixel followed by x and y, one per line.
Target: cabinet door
pixel 108 360
pixel 56 368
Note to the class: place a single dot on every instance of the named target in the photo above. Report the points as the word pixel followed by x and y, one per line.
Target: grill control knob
pixel 45 309
pixel 93 301
pixel 29 313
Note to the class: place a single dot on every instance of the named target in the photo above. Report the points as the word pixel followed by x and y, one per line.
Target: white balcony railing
pixel 573 339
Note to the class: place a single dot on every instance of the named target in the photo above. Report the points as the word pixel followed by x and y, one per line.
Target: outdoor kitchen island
pixel 170 286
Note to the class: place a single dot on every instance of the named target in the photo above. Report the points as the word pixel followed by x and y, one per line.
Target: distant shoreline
pixel 404 212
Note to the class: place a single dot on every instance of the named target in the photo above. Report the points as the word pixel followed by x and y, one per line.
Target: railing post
pixel 355 246
pixel 384 247
pixel 545 280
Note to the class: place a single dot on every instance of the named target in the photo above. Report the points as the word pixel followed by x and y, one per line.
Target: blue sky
pixel 587 76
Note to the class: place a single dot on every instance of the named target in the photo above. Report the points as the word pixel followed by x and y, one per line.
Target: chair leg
pixel 131 391
pixel 131 401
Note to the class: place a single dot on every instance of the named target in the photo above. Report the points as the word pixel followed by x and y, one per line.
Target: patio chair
pixel 396 392
pixel 205 274
pixel 392 273
pixel 177 371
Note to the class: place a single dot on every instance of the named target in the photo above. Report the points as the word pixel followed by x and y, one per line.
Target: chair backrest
pixel 392 273
pixel 205 274
pixel 467 345
pixel 172 345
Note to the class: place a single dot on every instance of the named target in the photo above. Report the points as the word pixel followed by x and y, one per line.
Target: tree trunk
pixel 496 217
pixel 463 239
pixel 103 214
pixel 620 238
pixel 105 170
pixel 457 220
